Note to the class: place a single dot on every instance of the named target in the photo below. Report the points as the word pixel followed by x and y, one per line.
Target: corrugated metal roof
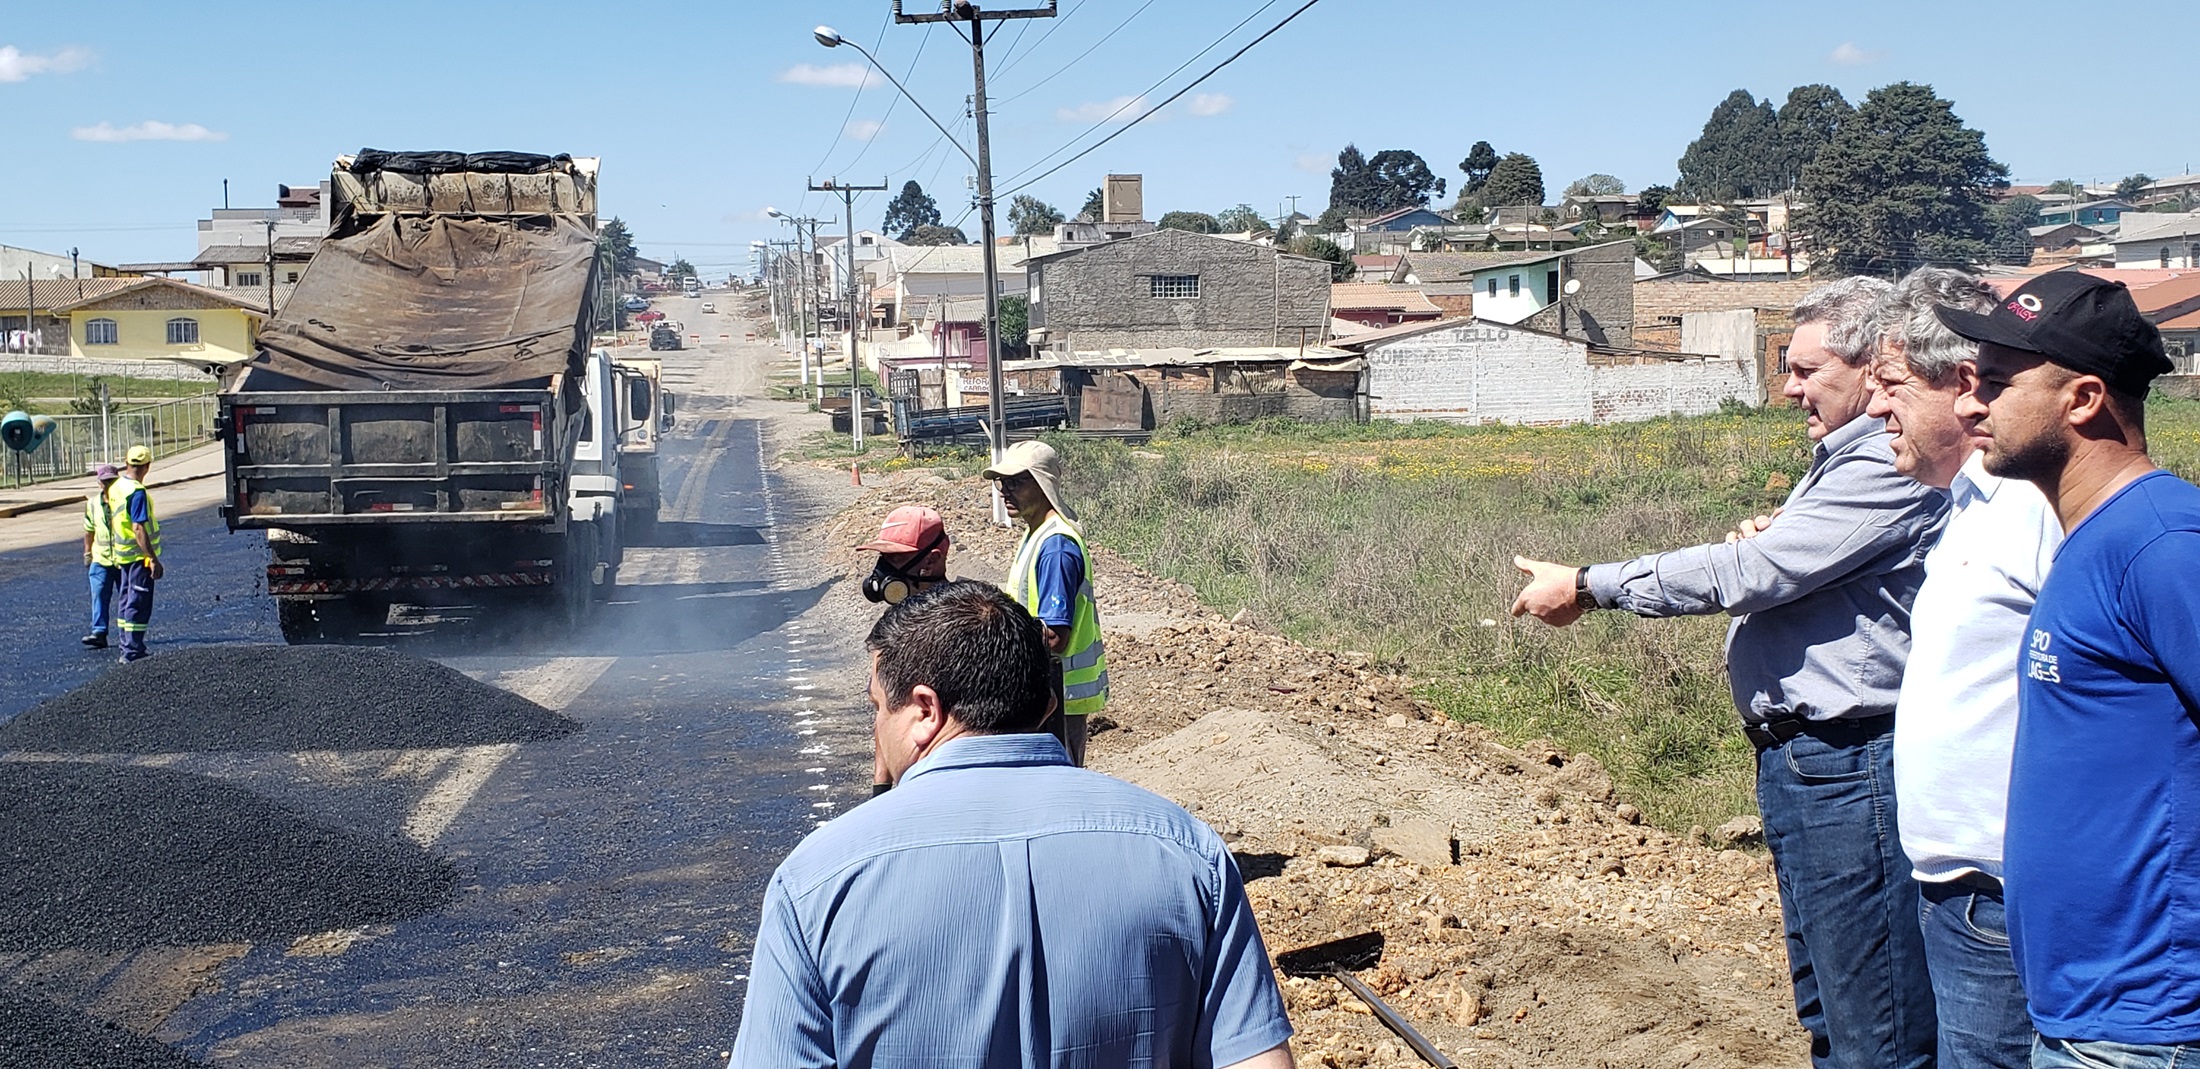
pixel 52 293
pixel 1376 296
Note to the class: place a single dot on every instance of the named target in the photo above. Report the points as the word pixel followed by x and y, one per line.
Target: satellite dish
pixel 1573 286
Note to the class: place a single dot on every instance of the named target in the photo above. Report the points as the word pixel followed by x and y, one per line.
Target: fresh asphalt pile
pixel 206 699
pixel 115 857
pixel 37 1034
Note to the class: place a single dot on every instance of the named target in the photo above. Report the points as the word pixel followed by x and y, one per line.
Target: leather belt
pixel 1766 734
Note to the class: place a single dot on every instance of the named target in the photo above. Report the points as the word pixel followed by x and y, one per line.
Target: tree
pixel 1340 265
pixel 2064 186
pixel 2011 220
pixel 614 242
pixel 1241 219
pixel 910 209
pixel 1329 221
pixel 1030 215
pixel 1481 159
pixel 1806 124
pixel 681 268
pixel 1096 203
pixel 1652 199
pixel 2133 186
pixel 1195 222
pixel 1516 179
pixel 1349 184
pixel 1904 183
pixel 1735 154
pixel 932 234
pixel 1393 178
pixel 1015 323
pixel 1595 185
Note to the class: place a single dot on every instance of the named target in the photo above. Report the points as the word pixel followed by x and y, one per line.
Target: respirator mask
pixel 893 585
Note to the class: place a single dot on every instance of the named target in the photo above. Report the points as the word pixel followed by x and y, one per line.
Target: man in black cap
pixel 2100 859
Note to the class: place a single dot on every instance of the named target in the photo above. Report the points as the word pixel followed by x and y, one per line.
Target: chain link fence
pixel 79 442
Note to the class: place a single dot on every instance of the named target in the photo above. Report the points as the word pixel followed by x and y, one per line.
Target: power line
pixel 890 104
pixel 1158 82
pixel 1172 97
pixel 1081 55
pixel 1012 60
pixel 853 99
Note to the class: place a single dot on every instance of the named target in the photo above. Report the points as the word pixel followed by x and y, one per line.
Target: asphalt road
pixel 607 881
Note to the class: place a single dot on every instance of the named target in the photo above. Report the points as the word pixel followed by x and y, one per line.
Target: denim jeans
pixel 104 578
pixel 2102 1054
pixel 1854 950
pixel 1976 992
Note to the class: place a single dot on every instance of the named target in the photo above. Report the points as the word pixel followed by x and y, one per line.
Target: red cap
pixel 910 529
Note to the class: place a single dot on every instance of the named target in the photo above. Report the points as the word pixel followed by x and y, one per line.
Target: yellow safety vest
pixel 1085 659
pixel 96 525
pixel 125 548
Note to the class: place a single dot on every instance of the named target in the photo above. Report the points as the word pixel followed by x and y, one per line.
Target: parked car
pixel 664 338
pixel 635 302
pixel 709 307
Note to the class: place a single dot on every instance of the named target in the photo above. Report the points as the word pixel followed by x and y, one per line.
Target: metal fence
pixel 81 441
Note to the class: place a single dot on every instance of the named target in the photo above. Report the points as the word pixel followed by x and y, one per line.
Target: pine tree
pixel 909 209
pixel 1481 159
pixel 1735 156
pixel 1807 123
pixel 1903 183
pixel 1517 179
pixel 1348 183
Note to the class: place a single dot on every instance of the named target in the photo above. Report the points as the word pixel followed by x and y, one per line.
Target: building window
pixel 2192 254
pixel 2165 256
pixel 1173 285
pixel 99 332
pixel 183 330
pixel 290 276
pixel 1512 285
pixel 1550 287
pixel 248 278
pixel 1783 369
pixel 1493 286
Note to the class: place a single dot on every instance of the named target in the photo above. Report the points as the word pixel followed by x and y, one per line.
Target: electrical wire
pixel 853 99
pixel 1172 99
pixel 1009 62
pixel 1140 97
pixel 1081 55
pixel 891 104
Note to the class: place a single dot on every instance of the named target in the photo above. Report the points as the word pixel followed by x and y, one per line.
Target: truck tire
pixel 295 618
pixel 578 595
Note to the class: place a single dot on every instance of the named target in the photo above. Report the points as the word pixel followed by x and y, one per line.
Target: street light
pixel 828 37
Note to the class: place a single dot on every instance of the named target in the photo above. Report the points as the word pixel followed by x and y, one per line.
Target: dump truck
pixel 425 420
pixel 645 414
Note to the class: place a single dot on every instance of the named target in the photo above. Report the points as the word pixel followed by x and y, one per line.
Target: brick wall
pixel 1099 297
pixel 1248 394
pixel 1675 297
pixel 1604 311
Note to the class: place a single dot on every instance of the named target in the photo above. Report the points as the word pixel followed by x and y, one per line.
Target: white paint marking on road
pixel 819 768
pixel 807 731
pixel 822 805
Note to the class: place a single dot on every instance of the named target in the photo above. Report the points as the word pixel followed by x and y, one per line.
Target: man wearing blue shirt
pixel 1051 577
pixel 2102 866
pixel 999 907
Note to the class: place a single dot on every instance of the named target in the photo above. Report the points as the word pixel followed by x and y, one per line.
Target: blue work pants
pixel 104 578
pixel 1855 953
pixel 136 611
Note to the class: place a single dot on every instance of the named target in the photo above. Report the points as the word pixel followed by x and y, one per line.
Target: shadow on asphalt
pixel 645 620
pixel 680 534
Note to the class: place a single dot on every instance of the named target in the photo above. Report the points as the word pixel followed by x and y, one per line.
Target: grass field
pixel 1398 540
pixel 51 391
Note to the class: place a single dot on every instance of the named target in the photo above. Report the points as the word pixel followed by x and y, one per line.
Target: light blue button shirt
pixel 1002 908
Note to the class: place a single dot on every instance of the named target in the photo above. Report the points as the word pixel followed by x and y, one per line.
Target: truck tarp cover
pixel 432 303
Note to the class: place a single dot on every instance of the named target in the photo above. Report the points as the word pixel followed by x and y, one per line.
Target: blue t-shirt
pixel 1060 573
pixel 2103 851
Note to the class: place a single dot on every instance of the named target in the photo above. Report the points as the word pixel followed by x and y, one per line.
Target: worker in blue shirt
pixel 2100 860
pixel 136 547
pixel 998 907
pixel 1051 577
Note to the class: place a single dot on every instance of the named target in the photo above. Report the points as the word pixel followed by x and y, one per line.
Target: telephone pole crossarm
pixel 855 305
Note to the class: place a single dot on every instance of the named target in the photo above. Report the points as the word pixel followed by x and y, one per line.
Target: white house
pixel 2170 239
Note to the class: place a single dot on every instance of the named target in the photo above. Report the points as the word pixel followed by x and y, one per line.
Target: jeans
pixel 1855 953
pixel 136 610
pixel 104 578
pixel 2103 1054
pixel 1976 992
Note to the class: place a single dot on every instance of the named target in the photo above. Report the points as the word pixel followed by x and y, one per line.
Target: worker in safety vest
pixel 1052 579
pixel 99 556
pixel 912 550
pixel 136 534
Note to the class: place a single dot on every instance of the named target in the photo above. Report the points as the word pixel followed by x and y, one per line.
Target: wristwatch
pixel 1583 599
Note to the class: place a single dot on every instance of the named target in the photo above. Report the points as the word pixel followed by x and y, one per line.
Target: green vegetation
pixel 1398 540
pixel 63 392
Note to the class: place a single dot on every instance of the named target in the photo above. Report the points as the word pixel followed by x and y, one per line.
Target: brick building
pixel 1173 289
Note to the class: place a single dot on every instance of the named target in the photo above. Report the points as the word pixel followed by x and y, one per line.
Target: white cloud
pixel 16 64
pixel 837 76
pixel 863 129
pixel 1210 103
pixel 1313 162
pixel 149 130
pixel 1123 109
pixel 1848 55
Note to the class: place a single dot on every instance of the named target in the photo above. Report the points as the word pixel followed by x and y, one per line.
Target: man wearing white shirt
pixel 1956 716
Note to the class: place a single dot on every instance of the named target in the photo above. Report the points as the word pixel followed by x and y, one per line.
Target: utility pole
pixel 271 269
pixel 952 11
pixel 848 246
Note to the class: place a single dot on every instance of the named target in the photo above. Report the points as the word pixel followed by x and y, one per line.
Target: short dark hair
pixel 973 645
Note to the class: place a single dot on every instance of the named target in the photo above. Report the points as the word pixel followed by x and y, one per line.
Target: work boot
pixel 97 640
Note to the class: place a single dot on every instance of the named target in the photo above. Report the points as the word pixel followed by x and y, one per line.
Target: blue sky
pixel 119 121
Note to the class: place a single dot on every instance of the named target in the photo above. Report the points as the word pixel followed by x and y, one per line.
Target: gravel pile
pixel 106 857
pixel 220 698
pixel 36 1034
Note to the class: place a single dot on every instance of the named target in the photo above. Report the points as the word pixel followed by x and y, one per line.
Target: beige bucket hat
pixel 1043 464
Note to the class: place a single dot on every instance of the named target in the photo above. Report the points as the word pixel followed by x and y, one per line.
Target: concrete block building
pixel 1173 289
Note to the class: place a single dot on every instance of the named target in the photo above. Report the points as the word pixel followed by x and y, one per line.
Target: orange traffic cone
pixel 855 475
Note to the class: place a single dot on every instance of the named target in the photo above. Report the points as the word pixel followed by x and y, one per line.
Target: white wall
pixel 1505 307
pixel 1731 334
pixel 2149 253
pixel 1489 373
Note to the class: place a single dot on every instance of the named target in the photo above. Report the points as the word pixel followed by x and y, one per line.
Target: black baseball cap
pixel 2082 322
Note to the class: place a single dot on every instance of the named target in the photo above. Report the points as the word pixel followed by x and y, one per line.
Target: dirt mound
pixel 1531 918
pixel 202 699
pixel 153 857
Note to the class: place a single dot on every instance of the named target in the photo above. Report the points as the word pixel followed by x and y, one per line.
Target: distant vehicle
pixel 664 338
pixel 709 307
pixel 635 302
pixel 692 286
